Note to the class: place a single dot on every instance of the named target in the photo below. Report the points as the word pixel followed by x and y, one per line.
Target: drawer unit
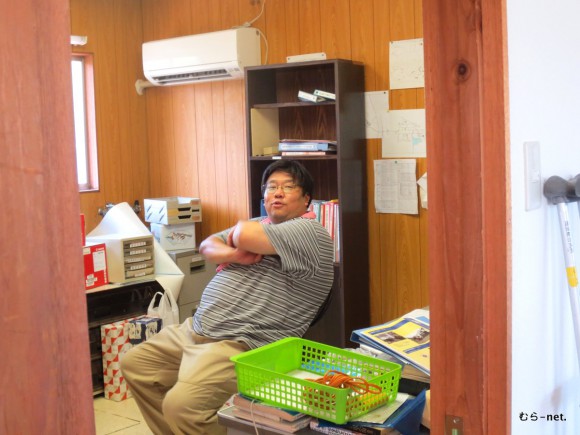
pixel 172 210
pixel 128 258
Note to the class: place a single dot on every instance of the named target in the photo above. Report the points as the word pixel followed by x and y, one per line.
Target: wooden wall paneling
pixel 381 37
pixel 418 18
pixel 422 169
pixel 230 14
pixel 178 19
pixel 129 170
pixel 152 19
pixel 293 18
pixel 383 228
pixel 165 161
pixel 222 174
pixel 214 16
pixel 363 51
pixel 275 31
pixel 408 229
pixel 151 97
pixel 186 168
pixel 206 156
pixel 235 135
pixel 402 22
pixel 378 70
pixel 107 91
pixel 136 125
pixel 200 11
pixel 310 33
pixel 401 99
pixel 335 28
pixel 45 369
pixel 375 250
pixel 82 13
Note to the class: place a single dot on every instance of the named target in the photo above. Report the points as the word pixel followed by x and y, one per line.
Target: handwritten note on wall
pixel 404 134
pixel 406 64
pixel 396 186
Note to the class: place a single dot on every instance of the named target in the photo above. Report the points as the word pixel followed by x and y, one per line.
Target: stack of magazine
pixel 406 338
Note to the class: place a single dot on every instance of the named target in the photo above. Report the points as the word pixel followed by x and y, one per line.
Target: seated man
pixel 274 274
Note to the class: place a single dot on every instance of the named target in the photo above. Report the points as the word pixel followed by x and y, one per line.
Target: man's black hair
pixel 299 173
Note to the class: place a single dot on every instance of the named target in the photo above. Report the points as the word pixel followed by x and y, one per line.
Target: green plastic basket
pixel 278 373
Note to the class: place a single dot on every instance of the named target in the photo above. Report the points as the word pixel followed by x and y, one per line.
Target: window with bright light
pixel 84 121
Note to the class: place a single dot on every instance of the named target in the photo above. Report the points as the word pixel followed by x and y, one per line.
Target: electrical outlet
pixel 453 425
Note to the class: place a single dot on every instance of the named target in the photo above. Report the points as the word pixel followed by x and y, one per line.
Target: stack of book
pixel 403 416
pixel 327 213
pixel 308 147
pixel 262 415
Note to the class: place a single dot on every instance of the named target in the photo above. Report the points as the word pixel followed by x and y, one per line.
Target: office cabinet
pixel 197 273
pixel 273 113
pixel 110 304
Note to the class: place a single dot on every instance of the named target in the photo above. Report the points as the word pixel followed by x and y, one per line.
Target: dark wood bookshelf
pixel 275 113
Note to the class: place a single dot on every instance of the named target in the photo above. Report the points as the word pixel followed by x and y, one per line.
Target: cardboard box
pixel 172 210
pixel 95 260
pixel 115 343
pixel 142 328
pixel 174 237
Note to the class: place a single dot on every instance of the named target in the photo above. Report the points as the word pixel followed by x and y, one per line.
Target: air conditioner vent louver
pixel 188 77
pixel 205 57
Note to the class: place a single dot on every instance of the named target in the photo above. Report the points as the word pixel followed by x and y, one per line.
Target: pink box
pixel 115 343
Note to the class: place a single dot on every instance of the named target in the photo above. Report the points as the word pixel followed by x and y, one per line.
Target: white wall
pixel 544 93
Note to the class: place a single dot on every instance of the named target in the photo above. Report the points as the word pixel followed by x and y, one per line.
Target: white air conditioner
pixel 205 57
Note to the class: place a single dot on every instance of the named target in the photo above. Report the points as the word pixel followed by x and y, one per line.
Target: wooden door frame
pixel 469 206
pixel 46 367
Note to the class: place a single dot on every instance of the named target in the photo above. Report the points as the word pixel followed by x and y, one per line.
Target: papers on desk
pixel 407 338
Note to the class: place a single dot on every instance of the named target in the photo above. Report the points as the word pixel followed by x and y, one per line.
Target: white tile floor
pixel 121 418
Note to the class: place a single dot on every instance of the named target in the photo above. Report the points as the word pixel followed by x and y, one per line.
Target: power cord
pixel 249 24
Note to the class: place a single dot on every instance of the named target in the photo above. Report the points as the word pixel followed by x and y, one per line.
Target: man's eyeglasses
pixel 272 188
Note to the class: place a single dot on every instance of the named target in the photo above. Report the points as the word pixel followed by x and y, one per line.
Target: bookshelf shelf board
pixel 328 157
pixel 292 104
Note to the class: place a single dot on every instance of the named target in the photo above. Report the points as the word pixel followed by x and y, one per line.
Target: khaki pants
pixel 180 379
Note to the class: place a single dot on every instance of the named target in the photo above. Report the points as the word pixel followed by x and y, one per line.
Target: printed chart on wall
pixel 376 110
pixel 404 134
pixel 395 186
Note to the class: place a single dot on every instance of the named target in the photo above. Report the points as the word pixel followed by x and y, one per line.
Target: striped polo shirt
pixel 275 298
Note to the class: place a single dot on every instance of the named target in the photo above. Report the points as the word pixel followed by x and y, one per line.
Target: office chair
pixel 322 308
